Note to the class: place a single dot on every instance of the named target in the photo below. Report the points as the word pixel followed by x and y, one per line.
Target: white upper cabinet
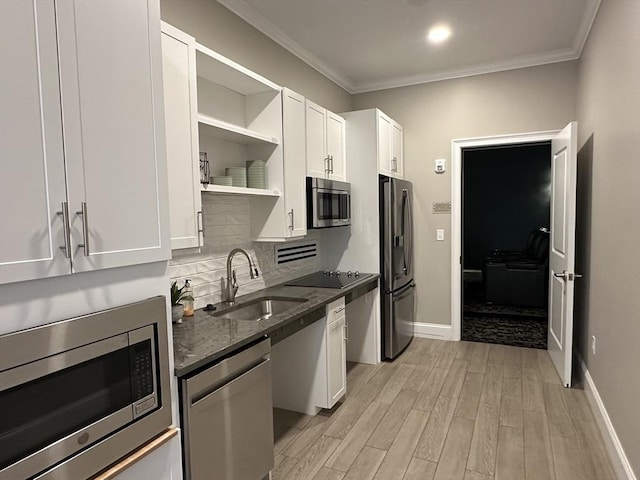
pixel 285 217
pixel 32 177
pixel 336 146
pixel 325 138
pixel 111 78
pixel 181 117
pixel 397 150
pixel 293 123
pixel 110 104
pixel 316 135
pixel 390 149
pixel 367 128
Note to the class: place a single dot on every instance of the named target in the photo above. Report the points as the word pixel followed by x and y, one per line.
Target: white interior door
pixel 562 251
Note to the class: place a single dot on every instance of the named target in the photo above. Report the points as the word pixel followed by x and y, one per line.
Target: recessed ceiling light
pixel 439 33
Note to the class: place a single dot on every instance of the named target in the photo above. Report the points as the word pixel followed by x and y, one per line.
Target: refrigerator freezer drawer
pixel 398 318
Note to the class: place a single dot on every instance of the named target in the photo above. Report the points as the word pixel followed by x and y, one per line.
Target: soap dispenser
pixel 187 301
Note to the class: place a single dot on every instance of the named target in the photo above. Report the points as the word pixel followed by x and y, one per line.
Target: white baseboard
pixel 614 447
pixel 433 330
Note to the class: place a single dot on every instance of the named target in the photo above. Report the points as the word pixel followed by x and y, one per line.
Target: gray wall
pixel 608 234
pixel 221 30
pixel 433 114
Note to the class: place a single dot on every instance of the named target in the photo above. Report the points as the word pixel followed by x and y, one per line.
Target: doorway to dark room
pixel 506 197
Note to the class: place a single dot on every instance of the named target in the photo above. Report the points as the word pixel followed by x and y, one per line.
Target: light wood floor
pixel 447 411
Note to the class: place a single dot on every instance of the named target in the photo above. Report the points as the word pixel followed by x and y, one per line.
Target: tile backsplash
pixel 227 224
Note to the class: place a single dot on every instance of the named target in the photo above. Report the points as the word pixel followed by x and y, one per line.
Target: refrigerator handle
pixel 409 248
pixel 402 227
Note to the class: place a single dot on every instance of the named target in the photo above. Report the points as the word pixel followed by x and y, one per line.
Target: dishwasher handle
pixel 223 372
pixel 204 395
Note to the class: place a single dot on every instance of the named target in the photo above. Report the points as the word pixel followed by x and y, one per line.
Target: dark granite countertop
pixel 203 338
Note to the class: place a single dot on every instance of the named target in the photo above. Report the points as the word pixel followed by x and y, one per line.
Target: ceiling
pixel 366 45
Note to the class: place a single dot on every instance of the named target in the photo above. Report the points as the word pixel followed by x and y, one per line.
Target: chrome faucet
pixel 232 283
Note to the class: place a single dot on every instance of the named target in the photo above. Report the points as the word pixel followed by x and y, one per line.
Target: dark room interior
pixel 506 205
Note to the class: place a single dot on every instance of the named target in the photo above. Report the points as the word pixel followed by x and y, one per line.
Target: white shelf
pixel 219 69
pixel 233 133
pixel 240 191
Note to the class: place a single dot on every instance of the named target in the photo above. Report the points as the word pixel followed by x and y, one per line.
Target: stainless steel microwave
pixel 328 203
pixel 78 395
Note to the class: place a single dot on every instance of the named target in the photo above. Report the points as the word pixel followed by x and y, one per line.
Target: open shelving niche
pixel 240 119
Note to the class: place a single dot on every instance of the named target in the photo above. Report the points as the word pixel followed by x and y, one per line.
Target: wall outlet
pixel 593 344
pixel 440 234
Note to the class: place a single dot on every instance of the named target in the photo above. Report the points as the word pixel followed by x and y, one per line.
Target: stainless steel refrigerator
pixel 396 265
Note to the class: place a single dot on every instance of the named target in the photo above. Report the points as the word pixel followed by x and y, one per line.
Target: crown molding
pixel 250 15
pixel 563 55
pixel 264 25
pixel 585 25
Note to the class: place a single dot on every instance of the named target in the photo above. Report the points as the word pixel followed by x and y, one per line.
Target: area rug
pixel 479 307
pixel 514 330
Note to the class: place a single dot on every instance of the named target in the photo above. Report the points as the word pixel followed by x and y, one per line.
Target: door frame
pixel 457 145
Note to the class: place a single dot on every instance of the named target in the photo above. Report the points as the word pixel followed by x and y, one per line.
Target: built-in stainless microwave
pixel 77 395
pixel 328 203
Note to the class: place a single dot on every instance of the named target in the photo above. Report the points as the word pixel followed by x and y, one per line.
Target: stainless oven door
pixel 59 405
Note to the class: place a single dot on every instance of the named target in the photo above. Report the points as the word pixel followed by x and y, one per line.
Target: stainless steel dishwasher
pixel 227 418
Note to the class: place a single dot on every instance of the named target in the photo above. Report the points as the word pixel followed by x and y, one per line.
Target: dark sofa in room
pixel 519 277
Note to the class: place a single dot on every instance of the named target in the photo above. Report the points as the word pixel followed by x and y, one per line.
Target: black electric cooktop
pixel 328 279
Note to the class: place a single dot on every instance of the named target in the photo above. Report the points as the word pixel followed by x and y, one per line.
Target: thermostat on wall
pixel 440 165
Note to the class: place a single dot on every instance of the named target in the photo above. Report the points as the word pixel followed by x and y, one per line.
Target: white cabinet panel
pixel 294 163
pixel 385 166
pixel 164 463
pixel 390 152
pixel 397 150
pixel 110 70
pixel 32 183
pixel 181 117
pixel 325 137
pixel 372 126
pixel 336 146
pixel 82 119
pixel 336 361
pixel 316 134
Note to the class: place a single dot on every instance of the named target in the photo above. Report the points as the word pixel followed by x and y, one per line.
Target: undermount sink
pixel 260 308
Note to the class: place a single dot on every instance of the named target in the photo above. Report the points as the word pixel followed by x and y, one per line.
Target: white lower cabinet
pixel 310 367
pixel 164 463
pixel 336 361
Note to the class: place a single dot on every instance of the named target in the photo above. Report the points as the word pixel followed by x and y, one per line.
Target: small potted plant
pixel 177 296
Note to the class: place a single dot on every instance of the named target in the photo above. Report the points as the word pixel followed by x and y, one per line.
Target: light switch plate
pixel 440 234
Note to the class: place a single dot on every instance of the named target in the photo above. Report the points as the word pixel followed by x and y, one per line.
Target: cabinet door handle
pixel 64 213
pixel 346 332
pixel 331 163
pixel 394 162
pixel 200 226
pixel 327 169
pixel 85 228
pixel 291 225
